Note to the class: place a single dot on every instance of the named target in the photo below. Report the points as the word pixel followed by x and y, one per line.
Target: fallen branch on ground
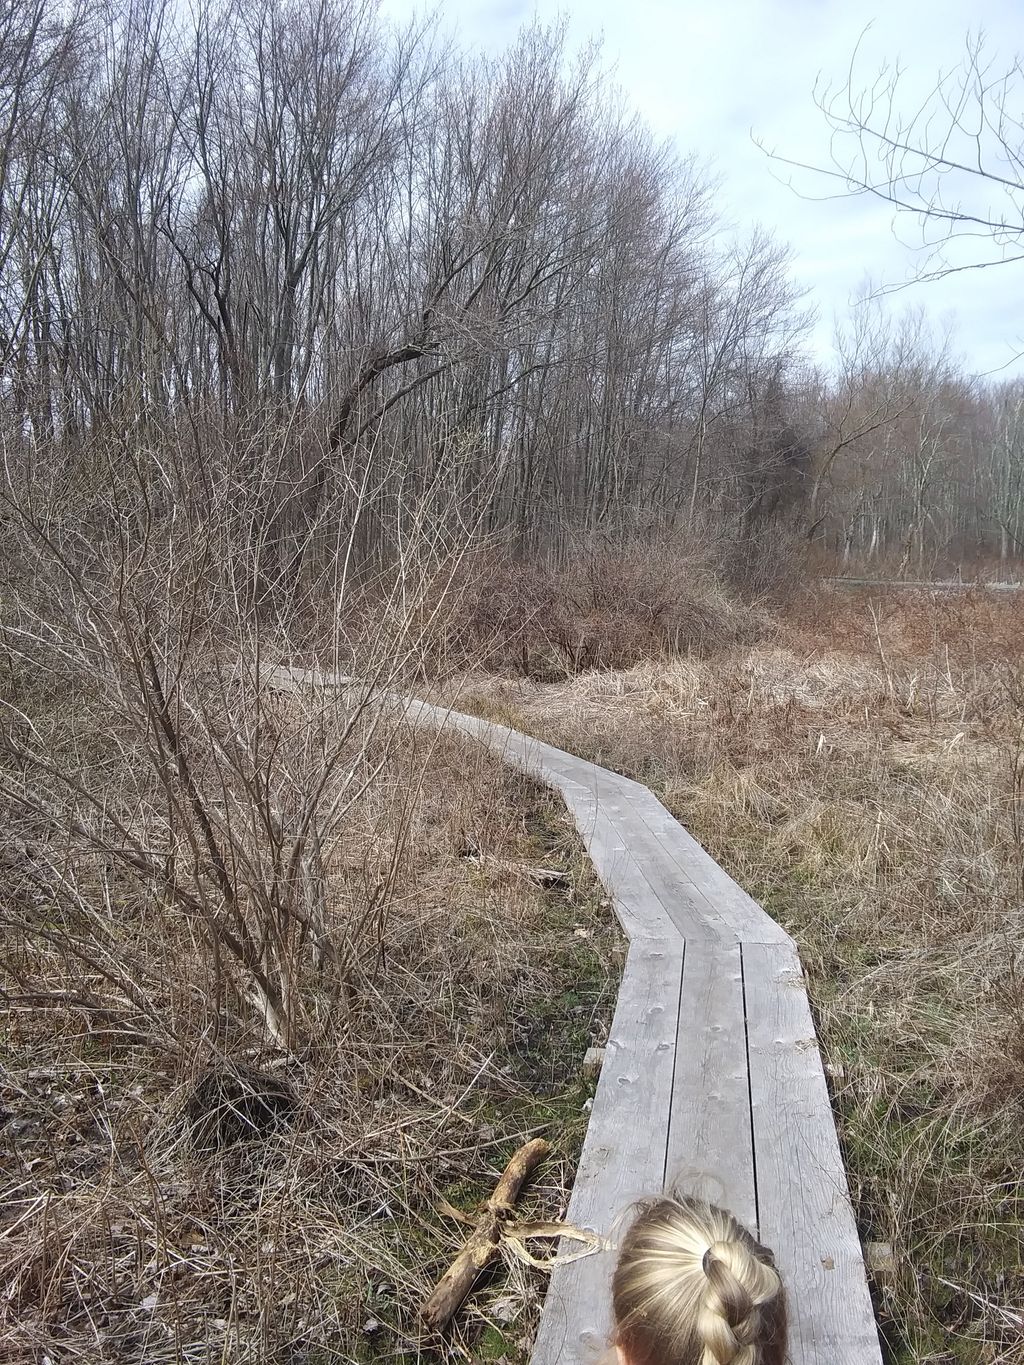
pixel 482 1243
pixel 543 876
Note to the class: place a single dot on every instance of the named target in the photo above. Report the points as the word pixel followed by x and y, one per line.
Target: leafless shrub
pixel 174 759
pixel 256 1201
pixel 602 606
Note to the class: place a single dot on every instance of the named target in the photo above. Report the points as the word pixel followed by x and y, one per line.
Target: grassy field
pixel 177 1190
pixel 181 1185
pixel 860 769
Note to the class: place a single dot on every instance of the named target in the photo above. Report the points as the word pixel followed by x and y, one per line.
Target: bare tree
pixel 303 240
pixel 870 393
pixel 950 162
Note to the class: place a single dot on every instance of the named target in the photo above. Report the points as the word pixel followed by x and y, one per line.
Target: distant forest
pixel 287 264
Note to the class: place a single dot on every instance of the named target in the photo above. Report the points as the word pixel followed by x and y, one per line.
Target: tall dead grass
pixel 261 1015
pixel 861 773
pixel 178 1191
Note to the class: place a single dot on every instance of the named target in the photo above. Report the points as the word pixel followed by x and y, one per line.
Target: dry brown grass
pixel 178 1189
pixel 861 773
pixel 261 1014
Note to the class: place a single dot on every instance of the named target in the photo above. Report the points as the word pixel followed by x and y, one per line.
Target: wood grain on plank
pixel 629 872
pixel 693 915
pixel 747 920
pixel 710 1152
pixel 637 905
pixel 803 1205
pixel 623 1156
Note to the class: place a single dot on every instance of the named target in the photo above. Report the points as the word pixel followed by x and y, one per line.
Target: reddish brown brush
pixel 601 607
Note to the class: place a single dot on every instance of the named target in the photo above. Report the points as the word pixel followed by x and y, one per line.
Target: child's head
pixel 692 1287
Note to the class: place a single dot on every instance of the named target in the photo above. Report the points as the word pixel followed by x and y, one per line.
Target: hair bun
pixel 728 1296
pixel 692 1284
pixel 719 1251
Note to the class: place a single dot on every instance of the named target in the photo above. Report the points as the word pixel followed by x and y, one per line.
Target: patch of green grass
pixel 494 1344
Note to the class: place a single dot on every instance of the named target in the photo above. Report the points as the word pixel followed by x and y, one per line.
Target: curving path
pixel 712 1078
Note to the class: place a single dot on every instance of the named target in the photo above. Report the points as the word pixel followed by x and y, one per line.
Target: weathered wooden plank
pixel 699 896
pixel 623 1157
pixel 633 874
pixel 642 879
pixel 804 1209
pixel 614 797
pixel 519 750
pixel 637 905
pixel 671 877
pixel 710 1151
pixel 745 918
pixel 693 915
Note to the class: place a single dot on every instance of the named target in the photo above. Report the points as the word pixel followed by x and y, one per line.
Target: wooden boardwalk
pixel 712 1081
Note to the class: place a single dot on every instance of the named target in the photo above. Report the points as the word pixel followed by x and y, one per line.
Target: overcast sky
pixel 712 74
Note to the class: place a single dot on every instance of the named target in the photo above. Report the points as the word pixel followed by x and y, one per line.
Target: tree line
pixel 282 257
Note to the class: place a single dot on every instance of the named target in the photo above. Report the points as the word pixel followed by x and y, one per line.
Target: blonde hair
pixel 693 1287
